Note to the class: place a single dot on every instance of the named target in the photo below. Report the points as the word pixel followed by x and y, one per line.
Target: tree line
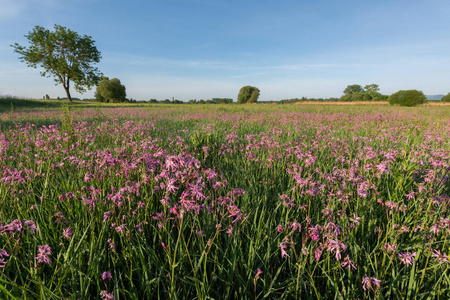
pixel 69 58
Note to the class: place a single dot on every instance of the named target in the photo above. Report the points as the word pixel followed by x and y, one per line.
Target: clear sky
pixel 202 49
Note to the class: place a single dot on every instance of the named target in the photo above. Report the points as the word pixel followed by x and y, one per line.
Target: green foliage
pixel 8 101
pixel 380 98
pixel 303 99
pixel 407 98
pixel 372 89
pixel 446 98
pixel 358 96
pixel 355 92
pixel 64 55
pixel 110 91
pixel 248 94
pixel 352 89
pixel 67 127
pixel 222 100
pixel 200 139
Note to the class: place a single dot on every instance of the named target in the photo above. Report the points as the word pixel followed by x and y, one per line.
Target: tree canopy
pixel 356 92
pixel 352 89
pixel 63 54
pixel 446 98
pixel 248 94
pixel 110 90
pixel 372 89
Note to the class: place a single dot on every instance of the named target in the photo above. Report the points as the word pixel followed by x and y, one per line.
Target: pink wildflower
pixel 258 274
pixel 314 233
pixel 407 258
pixel 230 230
pixel 348 263
pixel 295 226
pixel 336 246
pixel 112 246
pixel 318 252
pixel 3 254
pixel 371 283
pixel 106 276
pixel 106 295
pixel 279 228
pixel 389 248
pixel 68 233
pixel 43 256
pixel 440 257
pixel 283 246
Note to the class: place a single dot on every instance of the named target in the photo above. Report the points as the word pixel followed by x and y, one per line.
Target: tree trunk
pixel 68 93
pixel 66 85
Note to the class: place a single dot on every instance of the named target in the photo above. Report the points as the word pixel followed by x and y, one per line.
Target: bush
pixel 407 98
pixel 446 98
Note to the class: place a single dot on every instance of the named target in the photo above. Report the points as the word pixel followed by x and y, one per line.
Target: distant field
pixel 352 103
pixel 295 201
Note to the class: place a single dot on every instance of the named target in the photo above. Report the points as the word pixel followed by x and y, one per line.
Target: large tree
pixel 110 90
pixel 63 54
pixel 248 94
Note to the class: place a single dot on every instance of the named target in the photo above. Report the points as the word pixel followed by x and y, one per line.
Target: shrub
pixel 407 98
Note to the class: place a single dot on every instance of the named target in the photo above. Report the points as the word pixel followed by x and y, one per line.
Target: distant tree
pixel 63 54
pixel 360 96
pixel 407 98
pixel 355 92
pixel 47 97
pixel 222 100
pixel 248 94
pixel 110 90
pixel 446 98
pixel 372 89
pixel 354 88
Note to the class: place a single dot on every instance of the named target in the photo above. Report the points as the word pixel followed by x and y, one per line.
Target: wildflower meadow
pixel 225 202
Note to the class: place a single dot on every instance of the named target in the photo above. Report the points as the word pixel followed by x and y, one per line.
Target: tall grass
pixel 225 202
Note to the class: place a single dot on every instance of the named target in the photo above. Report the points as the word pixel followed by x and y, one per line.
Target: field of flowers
pixel 225 202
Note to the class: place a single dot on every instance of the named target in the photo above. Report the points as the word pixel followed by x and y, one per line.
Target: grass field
pixel 224 202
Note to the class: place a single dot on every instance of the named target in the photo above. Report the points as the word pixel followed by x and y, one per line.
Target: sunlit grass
pixel 225 201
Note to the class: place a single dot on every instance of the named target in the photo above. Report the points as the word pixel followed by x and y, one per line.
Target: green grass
pixel 118 161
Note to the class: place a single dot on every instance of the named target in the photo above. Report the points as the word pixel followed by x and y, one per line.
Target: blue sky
pixel 201 49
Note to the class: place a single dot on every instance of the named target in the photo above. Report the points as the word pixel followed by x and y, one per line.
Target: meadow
pixel 225 202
